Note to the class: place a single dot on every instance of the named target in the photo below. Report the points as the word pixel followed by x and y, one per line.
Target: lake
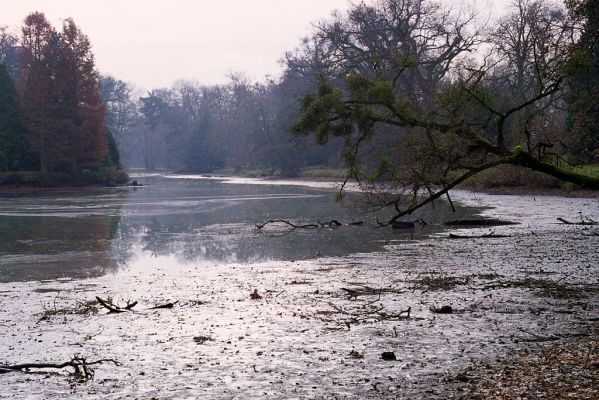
pixel 178 220
pixel 284 313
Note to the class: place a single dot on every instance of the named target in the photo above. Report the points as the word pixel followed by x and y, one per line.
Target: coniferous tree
pixel 60 96
pixel 34 86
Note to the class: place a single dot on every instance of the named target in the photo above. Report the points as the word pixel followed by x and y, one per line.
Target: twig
pixel 167 305
pixel 283 221
pixel 114 308
pixel 79 364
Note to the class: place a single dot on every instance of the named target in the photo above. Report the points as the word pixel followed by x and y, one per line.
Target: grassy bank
pixel 511 177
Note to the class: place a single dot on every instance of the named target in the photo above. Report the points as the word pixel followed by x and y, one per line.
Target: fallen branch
pixel 112 308
pixel 537 338
pixel 79 364
pixel 283 221
pixel 167 305
pixel 480 222
pixel 587 222
pixel 485 236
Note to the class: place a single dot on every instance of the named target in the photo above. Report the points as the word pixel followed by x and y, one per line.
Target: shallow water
pixel 307 336
pixel 187 219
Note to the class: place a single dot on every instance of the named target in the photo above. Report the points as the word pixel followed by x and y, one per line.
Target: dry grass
pixel 556 370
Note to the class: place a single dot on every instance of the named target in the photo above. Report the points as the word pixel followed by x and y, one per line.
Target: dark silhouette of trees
pixel 11 141
pixel 8 51
pixel 583 100
pixel 61 109
pixel 452 115
pixel 34 85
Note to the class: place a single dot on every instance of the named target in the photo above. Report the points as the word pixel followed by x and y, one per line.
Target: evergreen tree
pixel 34 87
pixel 11 145
pixel 113 158
pixel 60 97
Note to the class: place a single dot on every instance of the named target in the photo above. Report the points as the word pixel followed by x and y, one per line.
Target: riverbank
pixel 455 313
pixel 28 181
pixel 502 180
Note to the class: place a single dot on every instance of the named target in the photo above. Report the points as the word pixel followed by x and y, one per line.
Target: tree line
pixel 426 98
pixel 51 109
pixel 409 91
pixel 199 128
pixel 390 88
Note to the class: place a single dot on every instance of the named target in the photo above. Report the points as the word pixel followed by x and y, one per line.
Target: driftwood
pixel 162 306
pixel 480 222
pixel 112 308
pixel 331 224
pixel 586 222
pixel 485 236
pixel 283 221
pixel 362 314
pixel 407 224
pixel 81 367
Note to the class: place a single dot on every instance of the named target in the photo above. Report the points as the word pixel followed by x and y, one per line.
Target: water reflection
pixel 58 235
pixel 193 221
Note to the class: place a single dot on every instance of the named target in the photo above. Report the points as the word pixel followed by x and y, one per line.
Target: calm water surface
pixel 177 221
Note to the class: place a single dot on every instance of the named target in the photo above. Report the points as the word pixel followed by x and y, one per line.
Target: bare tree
pixel 454 114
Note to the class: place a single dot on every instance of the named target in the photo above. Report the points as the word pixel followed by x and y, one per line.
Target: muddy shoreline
pixel 319 327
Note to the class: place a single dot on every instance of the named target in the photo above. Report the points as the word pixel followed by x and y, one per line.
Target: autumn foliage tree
pixel 62 109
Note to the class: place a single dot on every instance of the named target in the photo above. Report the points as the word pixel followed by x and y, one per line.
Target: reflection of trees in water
pixel 241 243
pixel 208 221
pixel 55 247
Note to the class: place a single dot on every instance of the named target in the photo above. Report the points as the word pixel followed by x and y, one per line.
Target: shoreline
pixel 499 190
pixel 323 324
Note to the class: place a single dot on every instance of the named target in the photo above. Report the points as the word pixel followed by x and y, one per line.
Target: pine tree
pixel 60 97
pixel 83 99
pixel 34 86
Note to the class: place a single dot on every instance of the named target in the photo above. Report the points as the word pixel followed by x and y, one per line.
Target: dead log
pixel 407 224
pixel 112 308
pixel 480 222
pixel 283 221
pixel 81 367
pixel 162 306
pixel 587 222
pixel 485 236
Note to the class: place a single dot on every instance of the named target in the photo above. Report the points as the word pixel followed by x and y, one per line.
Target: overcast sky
pixel 153 43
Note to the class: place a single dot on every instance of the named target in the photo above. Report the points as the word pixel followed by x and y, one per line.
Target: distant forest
pixel 59 114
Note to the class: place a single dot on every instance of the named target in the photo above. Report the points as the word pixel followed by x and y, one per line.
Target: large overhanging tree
pixel 437 101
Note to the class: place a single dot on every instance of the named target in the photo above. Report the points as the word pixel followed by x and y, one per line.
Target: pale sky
pixel 153 43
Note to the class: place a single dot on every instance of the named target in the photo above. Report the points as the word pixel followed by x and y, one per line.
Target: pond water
pixel 180 220
pixel 329 302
